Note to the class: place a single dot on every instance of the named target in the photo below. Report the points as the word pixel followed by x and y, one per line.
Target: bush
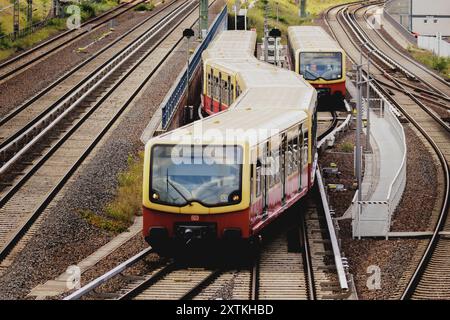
pixel 87 10
pixel 128 201
pixel 145 7
pixel 441 64
pixel 347 147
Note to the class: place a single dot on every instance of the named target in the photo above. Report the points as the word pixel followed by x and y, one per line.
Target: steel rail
pixel 110 274
pixel 33 99
pixel 420 269
pixel 307 263
pixel 62 109
pixel 28 223
pixel 437 77
pixel 60 36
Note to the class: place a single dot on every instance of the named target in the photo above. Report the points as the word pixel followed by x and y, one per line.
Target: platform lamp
pixel 187 33
pixel 275 33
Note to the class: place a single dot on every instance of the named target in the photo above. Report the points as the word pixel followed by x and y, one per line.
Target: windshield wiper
pixel 189 202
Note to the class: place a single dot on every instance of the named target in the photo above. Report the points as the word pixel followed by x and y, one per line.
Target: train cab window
pixel 321 65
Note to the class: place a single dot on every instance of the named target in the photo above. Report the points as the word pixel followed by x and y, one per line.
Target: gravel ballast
pixel 64 237
pixel 17 89
pixel 393 256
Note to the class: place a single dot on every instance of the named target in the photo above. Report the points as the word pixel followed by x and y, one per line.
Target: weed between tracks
pixel 145 7
pixel 120 212
pixel 440 64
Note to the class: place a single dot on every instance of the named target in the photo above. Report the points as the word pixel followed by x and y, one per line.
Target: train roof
pixel 273 99
pixel 251 125
pixel 311 39
pixel 231 45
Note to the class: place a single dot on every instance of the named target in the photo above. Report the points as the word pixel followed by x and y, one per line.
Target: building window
pixel 425 21
pixel 435 20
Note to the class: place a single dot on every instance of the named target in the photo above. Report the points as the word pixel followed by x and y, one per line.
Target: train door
pixel 229 92
pixel 300 156
pixel 283 171
pixel 220 91
pixel 209 88
pixel 265 178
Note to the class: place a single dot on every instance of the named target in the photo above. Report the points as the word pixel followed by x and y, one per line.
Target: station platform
pixel 381 187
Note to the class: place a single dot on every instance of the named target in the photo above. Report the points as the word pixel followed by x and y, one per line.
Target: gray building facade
pixel 424 17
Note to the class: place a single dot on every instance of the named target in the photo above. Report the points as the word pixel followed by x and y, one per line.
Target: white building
pixel 424 17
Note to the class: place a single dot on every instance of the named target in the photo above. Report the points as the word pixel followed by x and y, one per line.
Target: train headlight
pixel 155 196
pixel 234 197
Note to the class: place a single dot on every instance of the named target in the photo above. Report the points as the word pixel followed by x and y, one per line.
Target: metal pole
pixel 187 73
pixel 358 130
pixel 368 103
pixel 245 16
pixel 235 15
pixel 16 18
pixel 266 53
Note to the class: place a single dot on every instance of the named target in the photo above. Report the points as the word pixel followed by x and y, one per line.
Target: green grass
pixel 346 147
pixel 120 212
pixel 288 14
pixel 440 64
pixel 145 7
pixel 89 9
pixel 40 10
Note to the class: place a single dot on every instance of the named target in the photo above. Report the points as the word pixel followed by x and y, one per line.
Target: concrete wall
pixel 425 17
pixel 430 7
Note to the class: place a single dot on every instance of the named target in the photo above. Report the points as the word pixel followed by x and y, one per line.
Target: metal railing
pixel 172 99
pixel 397 186
pixel 342 270
pixel 397 25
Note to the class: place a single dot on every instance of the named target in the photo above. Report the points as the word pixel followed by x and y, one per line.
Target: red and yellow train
pixel 320 60
pixel 228 176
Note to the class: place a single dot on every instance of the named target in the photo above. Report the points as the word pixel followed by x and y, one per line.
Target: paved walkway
pixel 380 170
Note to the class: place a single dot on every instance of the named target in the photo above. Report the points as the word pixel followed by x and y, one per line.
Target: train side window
pixel 216 88
pixel 208 90
pixel 225 92
pixel 258 178
pixel 292 156
pixel 231 94
pixel 300 147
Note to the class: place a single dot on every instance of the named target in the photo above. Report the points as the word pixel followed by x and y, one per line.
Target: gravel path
pixel 65 238
pixel 26 84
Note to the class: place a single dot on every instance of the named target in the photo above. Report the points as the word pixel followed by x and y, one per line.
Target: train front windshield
pixel 182 174
pixel 324 65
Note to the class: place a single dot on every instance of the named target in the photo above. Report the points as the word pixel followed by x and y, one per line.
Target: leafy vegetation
pixel 42 8
pixel 346 147
pixel 288 13
pixel 120 212
pixel 440 64
pixel 145 7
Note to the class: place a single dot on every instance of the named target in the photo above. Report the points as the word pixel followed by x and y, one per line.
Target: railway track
pixel 18 63
pixel 69 137
pixel 294 265
pixel 429 279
